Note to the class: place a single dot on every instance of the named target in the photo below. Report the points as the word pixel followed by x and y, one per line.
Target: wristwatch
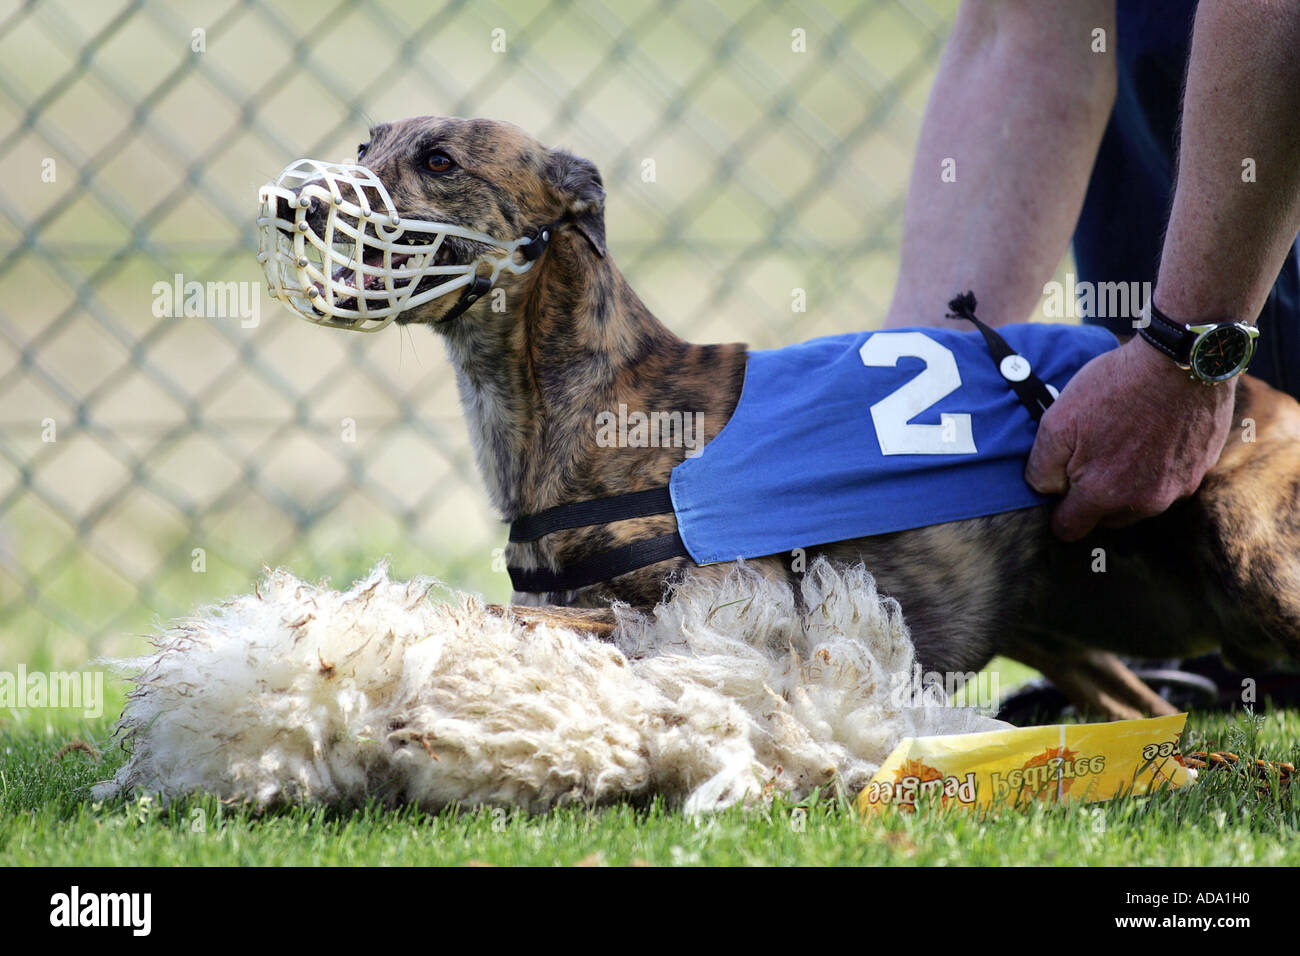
pixel 1211 352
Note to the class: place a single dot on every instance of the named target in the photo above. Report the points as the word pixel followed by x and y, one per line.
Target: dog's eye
pixel 361 150
pixel 440 162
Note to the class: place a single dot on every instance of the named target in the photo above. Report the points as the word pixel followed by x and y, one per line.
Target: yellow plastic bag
pixel 1069 763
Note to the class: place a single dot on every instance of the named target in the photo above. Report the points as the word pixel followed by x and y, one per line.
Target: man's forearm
pixel 1019 107
pixel 1132 433
pixel 1228 236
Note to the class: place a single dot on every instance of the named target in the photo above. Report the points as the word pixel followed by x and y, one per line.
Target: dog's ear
pixel 577 180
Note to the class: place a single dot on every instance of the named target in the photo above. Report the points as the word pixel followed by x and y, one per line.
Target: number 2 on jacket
pixel 893 413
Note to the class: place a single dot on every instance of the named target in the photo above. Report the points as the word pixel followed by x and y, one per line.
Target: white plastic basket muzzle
pixel 364 266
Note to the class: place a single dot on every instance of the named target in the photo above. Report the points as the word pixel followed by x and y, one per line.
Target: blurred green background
pixel 774 170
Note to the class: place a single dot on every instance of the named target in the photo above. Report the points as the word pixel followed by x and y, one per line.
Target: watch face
pixel 1221 352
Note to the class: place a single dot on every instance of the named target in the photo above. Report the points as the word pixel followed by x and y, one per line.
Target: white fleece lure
pixel 724 694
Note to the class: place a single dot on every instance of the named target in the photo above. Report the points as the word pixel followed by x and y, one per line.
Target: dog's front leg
pixel 596 622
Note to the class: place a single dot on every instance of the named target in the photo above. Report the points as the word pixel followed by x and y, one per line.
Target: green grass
pixel 48 818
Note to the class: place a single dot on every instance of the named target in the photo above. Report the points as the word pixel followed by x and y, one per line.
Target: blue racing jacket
pixel 863 434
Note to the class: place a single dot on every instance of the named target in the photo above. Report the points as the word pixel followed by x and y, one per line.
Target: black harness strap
pixel 1029 388
pixel 607 564
pixel 580 514
pixel 600 567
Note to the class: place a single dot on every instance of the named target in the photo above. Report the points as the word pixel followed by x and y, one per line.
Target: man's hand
pixel 1131 434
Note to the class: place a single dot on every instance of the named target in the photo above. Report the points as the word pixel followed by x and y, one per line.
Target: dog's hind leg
pixel 1096 682
pixel 1250 505
pixel 1221 569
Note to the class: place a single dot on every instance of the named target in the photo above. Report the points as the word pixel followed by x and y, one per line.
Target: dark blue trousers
pixel 1121 229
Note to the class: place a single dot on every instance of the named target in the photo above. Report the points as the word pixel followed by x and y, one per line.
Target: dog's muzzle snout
pixel 285 209
pixel 337 252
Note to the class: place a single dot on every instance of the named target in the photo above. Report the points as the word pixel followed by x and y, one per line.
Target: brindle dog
pixel 1220 569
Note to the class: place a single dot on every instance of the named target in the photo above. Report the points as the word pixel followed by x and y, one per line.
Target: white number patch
pixel 893 413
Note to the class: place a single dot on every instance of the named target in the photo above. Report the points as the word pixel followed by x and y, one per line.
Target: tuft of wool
pixel 725 693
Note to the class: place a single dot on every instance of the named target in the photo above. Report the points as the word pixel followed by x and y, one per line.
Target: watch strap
pixel 1173 338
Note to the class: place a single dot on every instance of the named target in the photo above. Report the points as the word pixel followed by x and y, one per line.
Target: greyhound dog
pixel 546 337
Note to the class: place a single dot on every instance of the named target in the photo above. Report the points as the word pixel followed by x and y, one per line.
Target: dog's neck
pixel 575 342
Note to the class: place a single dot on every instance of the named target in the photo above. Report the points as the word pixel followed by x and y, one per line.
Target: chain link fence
pixel 155 460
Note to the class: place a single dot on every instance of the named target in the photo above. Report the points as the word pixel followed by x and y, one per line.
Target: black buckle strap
pixel 1031 391
pixel 540 240
pixel 580 514
pixel 599 567
pixel 477 288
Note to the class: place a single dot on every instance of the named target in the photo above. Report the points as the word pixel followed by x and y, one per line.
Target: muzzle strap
pixel 479 286
pixel 539 241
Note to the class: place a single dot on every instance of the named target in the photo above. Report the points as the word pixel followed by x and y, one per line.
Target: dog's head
pixel 432 203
